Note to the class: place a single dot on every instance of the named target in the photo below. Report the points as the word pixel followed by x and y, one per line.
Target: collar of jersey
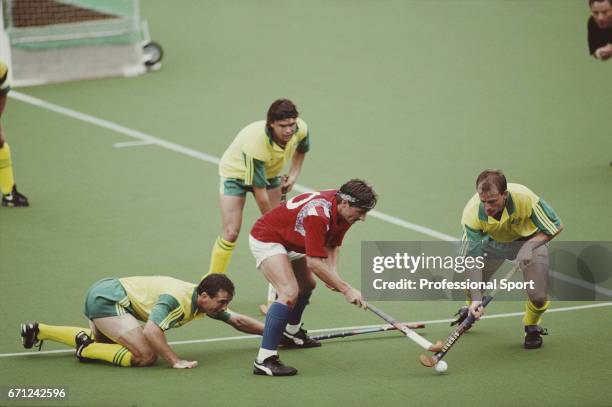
pixel 509 209
pixel 273 143
pixel 194 301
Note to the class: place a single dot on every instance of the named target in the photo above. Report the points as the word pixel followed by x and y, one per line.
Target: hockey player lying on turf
pixel 114 307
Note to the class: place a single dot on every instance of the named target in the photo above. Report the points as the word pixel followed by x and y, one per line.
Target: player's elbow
pixel 238 323
pixel 246 324
pixel 150 329
pixel 313 262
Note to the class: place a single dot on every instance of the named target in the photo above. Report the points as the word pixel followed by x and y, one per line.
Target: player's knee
pixel 308 287
pixel 230 233
pixel 538 300
pixel 288 297
pixel 142 359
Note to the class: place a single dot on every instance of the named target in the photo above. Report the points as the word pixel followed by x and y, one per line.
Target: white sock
pixel 265 354
pixel 293 329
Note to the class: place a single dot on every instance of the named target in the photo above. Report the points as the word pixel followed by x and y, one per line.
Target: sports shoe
pixel 298 340
pixel 15 199
pixel 82 341
pixel 29 333
pixel 272 366
pixel 533 336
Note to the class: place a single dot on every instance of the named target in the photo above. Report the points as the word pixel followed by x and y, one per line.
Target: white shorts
pixel 263 250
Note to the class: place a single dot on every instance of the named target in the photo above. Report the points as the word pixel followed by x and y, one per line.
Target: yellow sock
pixel 61 334
pixel 220 256
pixel 533 314
pixel 109 352
pixel 6 170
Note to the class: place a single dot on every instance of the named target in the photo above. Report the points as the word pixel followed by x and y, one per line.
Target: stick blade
pixel 436 347
pixel 427 361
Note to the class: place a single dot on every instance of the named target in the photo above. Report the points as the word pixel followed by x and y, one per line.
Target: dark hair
pixel 358 193
pixel 600 1
pixel 491 178
pixel 281 109
pixel 215 282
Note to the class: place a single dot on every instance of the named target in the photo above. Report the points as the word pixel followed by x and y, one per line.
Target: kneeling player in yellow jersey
pixel 509 222
pixel 115 305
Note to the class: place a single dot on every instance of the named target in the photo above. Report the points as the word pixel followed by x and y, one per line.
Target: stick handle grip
pixel 284 189
pixel 470 318
pixel 344 334
pixel 450 341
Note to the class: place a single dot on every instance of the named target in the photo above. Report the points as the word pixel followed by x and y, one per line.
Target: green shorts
pixel 497 251
pixel 107 298
pixel 236 187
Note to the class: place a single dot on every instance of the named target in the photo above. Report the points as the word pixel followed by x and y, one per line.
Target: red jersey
pixel 306 223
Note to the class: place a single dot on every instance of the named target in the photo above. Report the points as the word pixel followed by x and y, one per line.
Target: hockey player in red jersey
pixel 294 242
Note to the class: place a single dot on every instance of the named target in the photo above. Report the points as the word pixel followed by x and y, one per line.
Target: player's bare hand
pixel 524 256
pixel 185 364
pixel 603 53
pixel 287 183
pixel 353 296
pixel 476 309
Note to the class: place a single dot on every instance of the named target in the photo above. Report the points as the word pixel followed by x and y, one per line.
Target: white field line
pixel 582 283
pixel 138 135
pixel 346 328
pixel 132 144
pixel 148 139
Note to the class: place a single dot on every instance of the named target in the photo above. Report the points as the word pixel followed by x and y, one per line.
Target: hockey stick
pixel 431 361
pixel 410 334
pixel 344 334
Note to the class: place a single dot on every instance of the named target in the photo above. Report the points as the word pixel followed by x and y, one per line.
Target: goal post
pixel 62 40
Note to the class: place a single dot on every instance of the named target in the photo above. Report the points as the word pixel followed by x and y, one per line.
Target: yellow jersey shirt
pixel 254 157
pixel 524 214
pixel 167 301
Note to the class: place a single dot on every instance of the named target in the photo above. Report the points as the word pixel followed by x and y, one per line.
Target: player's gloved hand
pixel 476 309
pixel 185 364
pixel 461 315
pixel 353 296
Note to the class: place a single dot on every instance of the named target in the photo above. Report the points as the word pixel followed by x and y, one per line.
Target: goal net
pixel 62 40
